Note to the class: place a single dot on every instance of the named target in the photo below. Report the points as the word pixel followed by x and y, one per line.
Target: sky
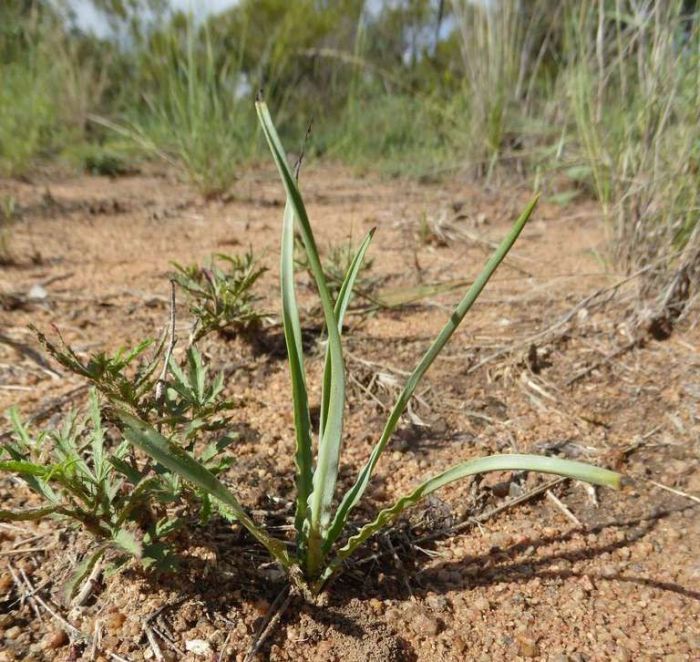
pixel 90 20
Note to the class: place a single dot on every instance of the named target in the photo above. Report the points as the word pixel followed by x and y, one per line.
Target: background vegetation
pixel 580 98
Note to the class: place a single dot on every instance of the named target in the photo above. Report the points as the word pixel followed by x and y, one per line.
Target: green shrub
pixel 220 294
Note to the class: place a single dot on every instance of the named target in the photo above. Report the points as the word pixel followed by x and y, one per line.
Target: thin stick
pixel 692 497
pixel 561 321
pixel 480 519
pixel 153 642
pixel 605 360
pixel 24 595
pixel 74 631
pixel 96 639
pixel 564 509
pixel 88 585
pixel 277 608
pixel 222 652
pixel 26 550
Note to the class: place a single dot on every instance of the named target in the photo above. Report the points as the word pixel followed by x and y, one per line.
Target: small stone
pixel 323 650
pixel 438 603
pixel 458 644
pixel 608 571
pixel 6 583
pixel 375 605
pixel 115 621
pixel 425 625
pixel 481 603
pixel 262 607
pixel 527 647
pixel 55 639
pixel 444 576
pixel 199 648
pixel 500 540
pixel 13 632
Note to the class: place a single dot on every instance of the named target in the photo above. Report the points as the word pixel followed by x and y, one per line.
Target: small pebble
pixel 527 647
pixel 13 632
pixel 425 625
pixel 115 621
pixel 481 603
pixel 55 639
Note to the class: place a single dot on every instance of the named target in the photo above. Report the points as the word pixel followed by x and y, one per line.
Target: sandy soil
pixel 541 365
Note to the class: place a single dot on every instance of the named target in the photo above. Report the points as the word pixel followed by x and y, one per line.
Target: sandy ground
pixel 545 363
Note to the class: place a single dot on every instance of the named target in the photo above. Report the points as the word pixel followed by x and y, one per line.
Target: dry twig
pixel 274 613
pixel 564 509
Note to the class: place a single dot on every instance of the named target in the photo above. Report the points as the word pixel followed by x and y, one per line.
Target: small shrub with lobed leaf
pixel 85 471
pixel 324 536
pixel 340 257
pixel 220 295
pixel 79 478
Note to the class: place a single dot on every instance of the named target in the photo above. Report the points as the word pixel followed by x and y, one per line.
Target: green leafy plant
pixel 322 544
pixel 338 261
pixel 220 294
pixel 128 504
pixel 123 377
pixel 79 478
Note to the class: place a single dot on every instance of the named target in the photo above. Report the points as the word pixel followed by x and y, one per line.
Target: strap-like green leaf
pixel 326 473
pixel 295 355
pixel 179 462
pixel 543 464
pixel 341 306
pixel 353 495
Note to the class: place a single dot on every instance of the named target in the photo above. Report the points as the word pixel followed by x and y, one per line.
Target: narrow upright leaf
pixel 353 495
pixel 326 473
pixel 293 340
pixel 341 306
